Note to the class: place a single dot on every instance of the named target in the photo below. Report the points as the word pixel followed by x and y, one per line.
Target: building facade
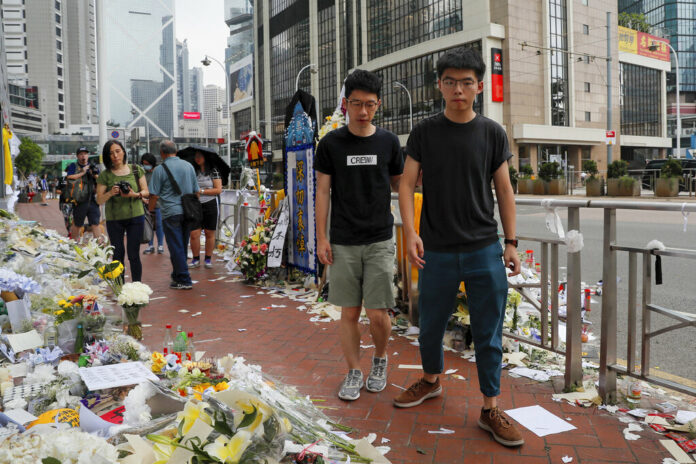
pixel 214 99
pixel 51 46
pixel 140 64
pixel 183 83
pixel 677 21
pixel 546 70
pixel 239 63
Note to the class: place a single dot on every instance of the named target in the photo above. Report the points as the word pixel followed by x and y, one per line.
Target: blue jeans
pixel 177 234
pixel 133 228
pixel 158 229
pixel 483 274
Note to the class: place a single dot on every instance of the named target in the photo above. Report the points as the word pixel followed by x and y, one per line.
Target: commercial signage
pixel 497 74
pixel 611 137
pixel 192 115
pixel 242 80
pixel 639 43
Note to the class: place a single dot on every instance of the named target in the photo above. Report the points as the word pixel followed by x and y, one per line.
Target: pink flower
pixel 264 248
pixel 254 249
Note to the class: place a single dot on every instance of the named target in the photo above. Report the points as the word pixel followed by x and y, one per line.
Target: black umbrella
pixel 212 160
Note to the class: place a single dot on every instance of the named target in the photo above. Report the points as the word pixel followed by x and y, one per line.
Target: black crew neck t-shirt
pixel 360 170
pixel 458 161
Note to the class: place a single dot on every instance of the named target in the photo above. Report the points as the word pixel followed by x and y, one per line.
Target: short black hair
pixel 363 80
pixel 106 153
pixel 150 158
pixel 462 58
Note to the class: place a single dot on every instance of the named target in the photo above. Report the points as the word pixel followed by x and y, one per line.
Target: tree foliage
pixel 29 158
pixel 635 21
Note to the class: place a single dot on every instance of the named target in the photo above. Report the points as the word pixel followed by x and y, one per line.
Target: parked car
pixel 653 167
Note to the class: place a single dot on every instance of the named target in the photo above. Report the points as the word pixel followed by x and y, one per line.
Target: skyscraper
pixel 674 20
pixel 214 97
pixel 140 47
pixel 51 47
pixel 196 89
pixel 183 85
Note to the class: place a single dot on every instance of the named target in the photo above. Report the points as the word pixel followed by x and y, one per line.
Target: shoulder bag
pixel 149 227
pixel 193 210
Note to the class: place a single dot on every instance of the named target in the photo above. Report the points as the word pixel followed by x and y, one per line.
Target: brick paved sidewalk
pixel 308 355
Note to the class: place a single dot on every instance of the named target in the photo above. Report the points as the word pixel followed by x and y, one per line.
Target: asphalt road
pixel 673 352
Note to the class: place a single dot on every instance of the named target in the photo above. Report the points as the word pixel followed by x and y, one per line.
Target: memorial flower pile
pixel 254 248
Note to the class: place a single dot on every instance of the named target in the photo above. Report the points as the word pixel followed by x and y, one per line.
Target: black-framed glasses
pixel 465 83
pixel 369 105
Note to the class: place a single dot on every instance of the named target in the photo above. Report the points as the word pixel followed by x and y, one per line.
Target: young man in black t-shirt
pixel 356 165
pixel 459 152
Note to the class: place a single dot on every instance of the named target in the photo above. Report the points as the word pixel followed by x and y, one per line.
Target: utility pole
pixel 103 92
pixel 609 59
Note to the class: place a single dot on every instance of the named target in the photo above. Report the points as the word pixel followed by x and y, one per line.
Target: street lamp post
pixel 398 84
pixel 312 68
pixel 654 47
pixel 206 62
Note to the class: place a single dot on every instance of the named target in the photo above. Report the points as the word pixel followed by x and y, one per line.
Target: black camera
pixel 93 170
pixel 124 186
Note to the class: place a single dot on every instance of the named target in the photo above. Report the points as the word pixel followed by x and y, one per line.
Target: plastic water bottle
pixel 50 336
pixel 168 343
pixel 180 343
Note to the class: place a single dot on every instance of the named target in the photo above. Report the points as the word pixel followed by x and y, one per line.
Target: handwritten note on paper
pixel 275 249
pixel 115 375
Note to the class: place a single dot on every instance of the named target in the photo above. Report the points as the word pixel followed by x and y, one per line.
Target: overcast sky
pixel 202 22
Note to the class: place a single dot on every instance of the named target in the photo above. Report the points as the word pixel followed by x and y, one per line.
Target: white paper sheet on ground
pixel 410 366
pixel 566 459
pixel 682 416
pixel 677 453
pixel 20 415
pixel 25 341
pixel 450 371
pixel 366 450
pixel 91 423
pixel 116 375
pixel 533 374
pixel 412 330
pixel 539 420
pixel 628 431
pixel 656 420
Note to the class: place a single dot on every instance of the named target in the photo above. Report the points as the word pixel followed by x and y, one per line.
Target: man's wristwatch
pixel 511 241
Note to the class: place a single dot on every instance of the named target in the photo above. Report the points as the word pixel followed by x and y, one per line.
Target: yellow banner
pixel 628 40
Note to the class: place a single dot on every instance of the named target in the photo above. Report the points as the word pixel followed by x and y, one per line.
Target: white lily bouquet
pixel 133 296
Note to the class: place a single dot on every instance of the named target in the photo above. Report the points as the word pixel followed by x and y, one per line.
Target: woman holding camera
pixel 122 188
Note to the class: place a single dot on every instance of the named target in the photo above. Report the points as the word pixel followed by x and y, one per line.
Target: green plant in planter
pixel 626 182
pixel 513 175
pixel 672 168
pixel 549 171
pixel 526 171
pixel 590 167
pixel 617 169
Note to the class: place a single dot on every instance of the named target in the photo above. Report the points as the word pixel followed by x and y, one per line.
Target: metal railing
pixel 549 282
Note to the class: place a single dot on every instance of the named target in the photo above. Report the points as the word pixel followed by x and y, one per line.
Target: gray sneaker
pixel 377 379
pixel 350 388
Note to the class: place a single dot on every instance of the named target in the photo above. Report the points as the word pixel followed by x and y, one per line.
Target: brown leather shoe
pixel 504 432
pixel 417 393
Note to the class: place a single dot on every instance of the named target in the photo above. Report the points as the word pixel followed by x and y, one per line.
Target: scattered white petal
pixel 415 343
pixel 245 296
pixel 457 376
pixel 196 314
pixel 450 371
pixel 567 459
pixel 158 298
pixel 367 346
pixel 183 311
pixel 385 440
pixel 396 353
pixel 398 386
pixel 146 325
pixel 278 306
pixel 241 330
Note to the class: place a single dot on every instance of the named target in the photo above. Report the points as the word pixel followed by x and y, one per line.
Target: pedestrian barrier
pixel 548 304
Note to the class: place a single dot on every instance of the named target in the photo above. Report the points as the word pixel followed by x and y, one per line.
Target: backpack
pixel 77 190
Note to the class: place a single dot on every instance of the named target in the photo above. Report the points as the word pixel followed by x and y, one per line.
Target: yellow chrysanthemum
pixel 59 312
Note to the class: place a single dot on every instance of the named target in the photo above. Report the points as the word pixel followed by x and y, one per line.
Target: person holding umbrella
pixel 209 179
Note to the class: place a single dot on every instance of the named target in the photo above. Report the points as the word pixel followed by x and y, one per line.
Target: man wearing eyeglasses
pixel 459 153
pixel 356 166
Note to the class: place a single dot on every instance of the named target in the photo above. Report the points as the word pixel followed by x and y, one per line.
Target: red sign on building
pixel 192 115
pixel 497 74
